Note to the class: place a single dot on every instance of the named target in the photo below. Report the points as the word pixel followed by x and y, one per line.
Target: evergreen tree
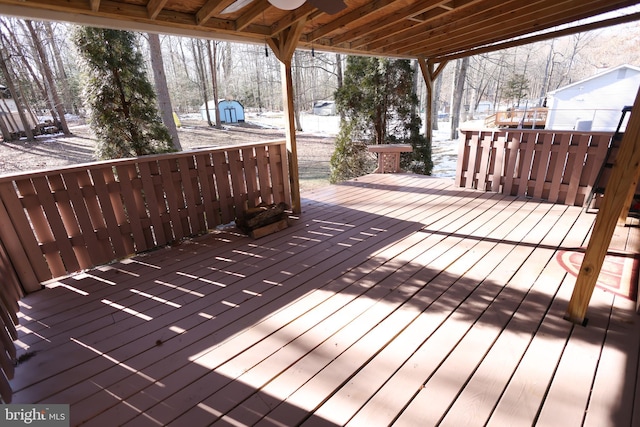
pixel 516 88
pixel 377 104
pixel 123 111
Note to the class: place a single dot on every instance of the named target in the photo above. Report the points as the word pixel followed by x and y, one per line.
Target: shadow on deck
pixel 391 299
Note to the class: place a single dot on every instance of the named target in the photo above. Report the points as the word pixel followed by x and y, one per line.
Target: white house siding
pixel 595 103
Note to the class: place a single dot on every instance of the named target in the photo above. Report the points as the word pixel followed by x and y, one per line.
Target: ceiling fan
pixel 327 6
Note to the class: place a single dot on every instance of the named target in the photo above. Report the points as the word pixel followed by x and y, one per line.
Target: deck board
pixel 391 299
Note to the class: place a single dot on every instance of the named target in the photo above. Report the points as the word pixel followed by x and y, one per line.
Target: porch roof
pixel 432 29
pixel 393 298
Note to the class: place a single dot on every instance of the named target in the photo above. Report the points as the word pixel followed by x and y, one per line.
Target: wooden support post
pixel 623 176
pixel 283 47
pixel 429 74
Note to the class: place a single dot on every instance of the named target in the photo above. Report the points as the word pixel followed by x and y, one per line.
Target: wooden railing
pixel 60 221
pixel 10 293
pixel 558 166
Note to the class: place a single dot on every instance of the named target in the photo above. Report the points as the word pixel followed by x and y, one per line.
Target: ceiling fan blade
pixel 235 6
pixel 329 6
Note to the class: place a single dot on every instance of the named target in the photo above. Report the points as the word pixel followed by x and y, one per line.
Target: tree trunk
pixel 457 96
pixel 61 72
pixel 213 64
pixel 51 84
pixel 339 77
pixel 437 87
pixel 162 91
pixel 298 91
pixel 198 56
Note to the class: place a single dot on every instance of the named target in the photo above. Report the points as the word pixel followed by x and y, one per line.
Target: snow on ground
pixel 444 150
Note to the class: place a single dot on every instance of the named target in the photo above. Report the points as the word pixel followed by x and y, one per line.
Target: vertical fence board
pixel 112 211
pixel 207 189
pixel 514 152
pixel 96 216
pixel 238 188
pixel 544 157
pixel 266 193
pixel 87 232
pixel 61 236
pixel 251 176
pixel 16 233
pixel 471 178
pixel 11 291
pixel 126 175
pixel 161 198
pixel 582 144
pixel 498 164
pixel 221 171
pixel 155 208
pixel 486 148
pixel 463 160
pixel 278 162
pixel 556 182
pixel 172 197
pixel 184 181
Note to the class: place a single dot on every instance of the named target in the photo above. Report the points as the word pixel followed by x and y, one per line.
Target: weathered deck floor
pixel 393 299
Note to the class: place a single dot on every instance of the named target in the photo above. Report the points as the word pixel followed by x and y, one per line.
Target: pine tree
pixel 121 99
pixel 377 102
pixel 516 88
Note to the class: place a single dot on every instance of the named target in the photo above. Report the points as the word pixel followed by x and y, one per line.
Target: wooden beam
pixel 428 74
pixel 536 16
pixel 623 175
pixel 283 47
pixel 546 36
pixel 349 18
pixel 209 9
pixel 154 7
pixel 306 11
pixel 95 5
pixel 254 11
pixel 396 22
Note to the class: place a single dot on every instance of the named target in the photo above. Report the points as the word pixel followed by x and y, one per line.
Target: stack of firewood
pixel 263 220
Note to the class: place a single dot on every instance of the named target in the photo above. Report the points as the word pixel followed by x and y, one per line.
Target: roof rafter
pixel 499 29
pixel 209 9
pixel 394 20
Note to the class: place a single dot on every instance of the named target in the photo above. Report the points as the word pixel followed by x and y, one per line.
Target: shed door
pixel 230 115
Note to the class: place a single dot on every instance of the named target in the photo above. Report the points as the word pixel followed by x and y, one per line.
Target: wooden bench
pixel 389 156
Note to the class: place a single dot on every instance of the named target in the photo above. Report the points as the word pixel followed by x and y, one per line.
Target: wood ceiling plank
pixel 95 5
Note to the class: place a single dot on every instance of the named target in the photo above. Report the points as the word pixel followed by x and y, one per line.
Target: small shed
pixel 324 108
pixel 595 103
pixel 231 111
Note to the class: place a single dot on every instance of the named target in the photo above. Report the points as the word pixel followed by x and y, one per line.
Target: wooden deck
pixel 392 299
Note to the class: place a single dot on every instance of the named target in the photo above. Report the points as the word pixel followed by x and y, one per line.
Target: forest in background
pixel 43 65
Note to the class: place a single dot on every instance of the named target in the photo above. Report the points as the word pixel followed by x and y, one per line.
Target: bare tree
pixel 16 93
pixel 48 76
pixel 162 91
pixel 213 65
pixel 461 77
